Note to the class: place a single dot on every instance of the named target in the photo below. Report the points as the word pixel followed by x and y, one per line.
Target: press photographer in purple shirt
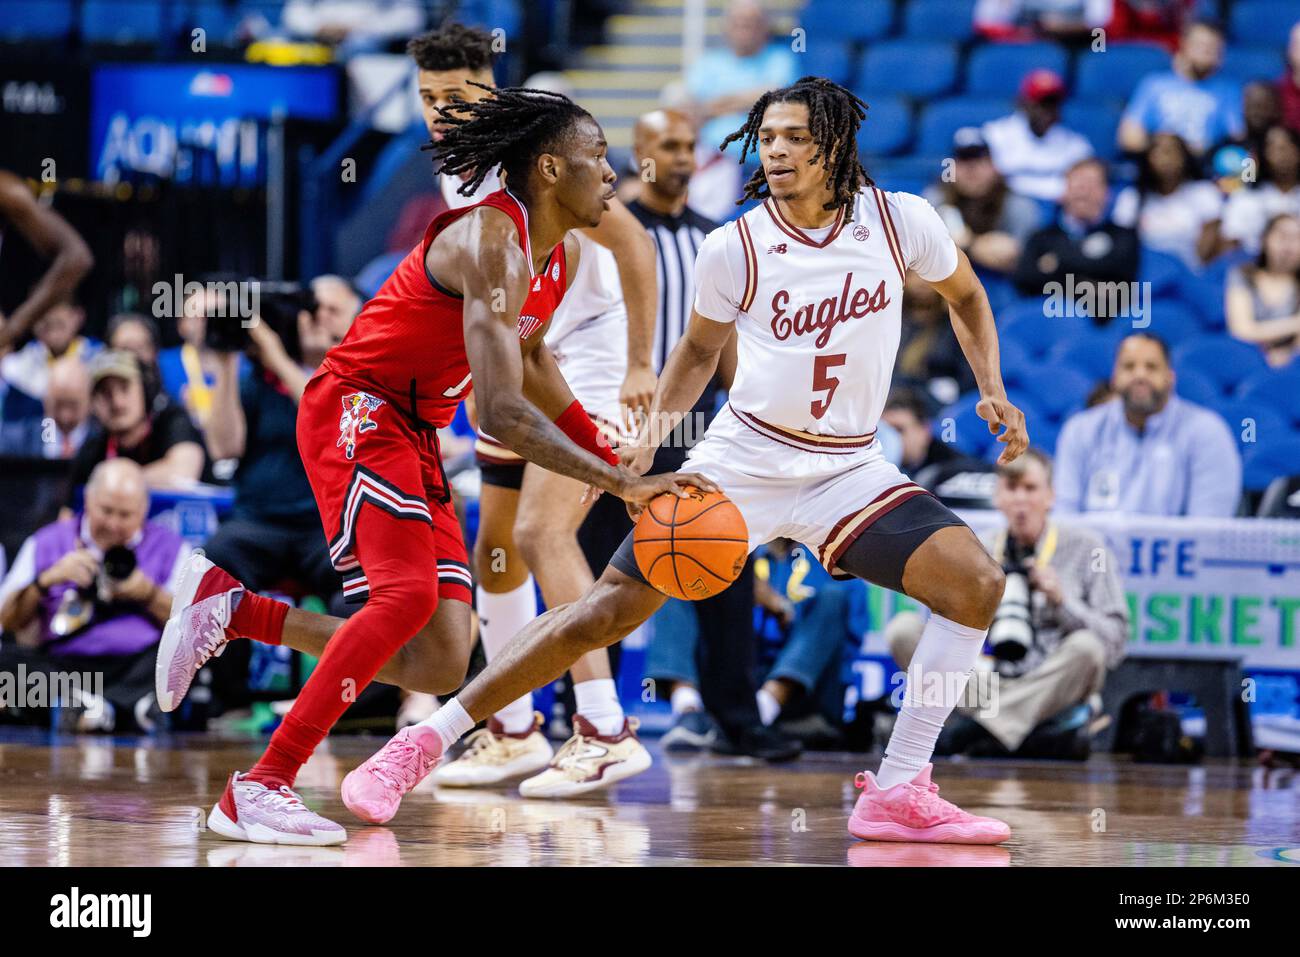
pixel 90 594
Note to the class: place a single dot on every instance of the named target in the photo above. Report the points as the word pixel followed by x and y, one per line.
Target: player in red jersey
pixel 469 303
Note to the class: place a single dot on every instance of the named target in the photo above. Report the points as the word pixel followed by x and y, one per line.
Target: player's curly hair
pixel 834 115
pixel 453 46
pixel 510 129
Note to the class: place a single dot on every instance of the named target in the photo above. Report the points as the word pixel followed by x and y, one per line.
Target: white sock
pixel 502 616
pixel 943 661
pixel 450 723
pixel 598 702
pixel 768 707
pixel 685 698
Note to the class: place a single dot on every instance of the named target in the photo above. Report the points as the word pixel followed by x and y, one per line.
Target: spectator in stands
pixel 1188 100
pixel 1172 210
pixel 1085 245
pixel 134 424
pixel 90 593
pixel 63 428
pixel 806 636
pixel 354 24
pixel 50 235
pixel 1288 85
pixel 909 414
pixel 1147 451
pixel 987 221
pixel 189 371
pixel 1276 191
pixel 929 355
pixel 1063 20
pixel 135 333
pixel 724 83
pixel 26 373
pixel 1030 147
pixel 274 532
pixel 1263 297
pixel 1078 620
pixel 1261 110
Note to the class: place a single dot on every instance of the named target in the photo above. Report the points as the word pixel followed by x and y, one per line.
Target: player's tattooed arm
pixel 634 251
pixel 972 321
pixel 52 237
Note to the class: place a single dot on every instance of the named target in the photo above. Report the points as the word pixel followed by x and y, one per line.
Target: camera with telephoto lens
pixel 1012 633
pixel 278 305
pixel 77 607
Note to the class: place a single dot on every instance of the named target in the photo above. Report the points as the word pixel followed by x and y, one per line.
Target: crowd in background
pixel 1026 197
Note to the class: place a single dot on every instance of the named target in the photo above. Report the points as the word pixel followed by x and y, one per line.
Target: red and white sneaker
pixel 374 790
pixel 250 811
pixel 913 811
pixel 589 761
pixel 196 631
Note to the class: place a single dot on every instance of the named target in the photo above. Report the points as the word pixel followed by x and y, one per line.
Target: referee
pixel 711 643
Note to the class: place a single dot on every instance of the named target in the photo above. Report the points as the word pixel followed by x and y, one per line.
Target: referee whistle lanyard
pixel 1042 554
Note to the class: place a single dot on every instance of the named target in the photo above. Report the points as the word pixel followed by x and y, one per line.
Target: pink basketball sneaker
pixel 913 811
pixel 196 632
pixel 250 811
pixel 374 790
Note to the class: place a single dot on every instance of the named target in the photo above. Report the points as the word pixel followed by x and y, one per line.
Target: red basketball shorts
pixel 360 451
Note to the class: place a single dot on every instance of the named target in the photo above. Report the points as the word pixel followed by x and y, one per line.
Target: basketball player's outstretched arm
pixel 690 366
pixel 972 321
pixel 52 237
pixel 487 266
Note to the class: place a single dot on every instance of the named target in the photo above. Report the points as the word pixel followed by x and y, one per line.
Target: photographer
pixel 1062 623
pixel 274 531
pixel 90 593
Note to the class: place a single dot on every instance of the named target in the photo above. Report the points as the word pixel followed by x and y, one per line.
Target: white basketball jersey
pixel 594 297
pixel 454 200
pixel 819 312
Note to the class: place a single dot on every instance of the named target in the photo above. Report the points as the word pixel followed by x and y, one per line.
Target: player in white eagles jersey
pixel 813 278
pixel 528 517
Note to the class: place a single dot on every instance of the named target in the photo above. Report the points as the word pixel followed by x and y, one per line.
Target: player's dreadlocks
pixel 834 115
pixel 510 129
pixel 453 46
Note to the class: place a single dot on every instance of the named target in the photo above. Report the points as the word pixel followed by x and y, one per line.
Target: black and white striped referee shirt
pixel 677 240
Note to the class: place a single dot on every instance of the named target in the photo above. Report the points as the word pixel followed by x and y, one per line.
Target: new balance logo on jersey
pixel 778 248
pixel 822 317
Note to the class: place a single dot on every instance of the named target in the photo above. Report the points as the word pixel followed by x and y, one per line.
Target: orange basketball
pixel 691 548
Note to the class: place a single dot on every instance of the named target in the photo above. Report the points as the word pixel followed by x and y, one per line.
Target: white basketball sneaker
pixel 590 761
pixel 492 756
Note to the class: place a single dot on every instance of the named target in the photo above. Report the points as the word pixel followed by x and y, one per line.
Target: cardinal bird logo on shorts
pixel 355 419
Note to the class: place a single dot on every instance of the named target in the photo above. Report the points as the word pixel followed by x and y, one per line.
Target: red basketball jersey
pixel 408 343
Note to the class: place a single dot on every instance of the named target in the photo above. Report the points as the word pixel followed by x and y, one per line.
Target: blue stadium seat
pixel 216 17
pixel 1171 320
pixel 1278 389
pixel 1227 363
pixel 36 20
pixel 1038 333
pixel 1267 461
pixel 1263 21
pixel 939 19
pixel 908 174
pixel 972 434
pixel 997 68
pixel 1097 121
pixel 122 21
pixel 1164 272
pixel 887 129
pixel 1017 362
pixel 1269 426
pixel 1092 353
pixel 1059 389
pixel 1114 73
pixel 1195 387
pixel 942 118
pixel 1244 64
pixel 861 20
pixel 912 67
pixel 832 59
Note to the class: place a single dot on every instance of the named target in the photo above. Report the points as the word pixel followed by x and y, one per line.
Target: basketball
pixel 691 548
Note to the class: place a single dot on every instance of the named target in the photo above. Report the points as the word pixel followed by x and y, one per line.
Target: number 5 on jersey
pixel 823 381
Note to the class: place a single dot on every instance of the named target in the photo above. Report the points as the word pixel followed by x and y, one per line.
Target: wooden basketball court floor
pixel 97 801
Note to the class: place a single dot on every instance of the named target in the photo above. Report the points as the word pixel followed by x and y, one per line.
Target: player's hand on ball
pixel 641 489
pixel 998 412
